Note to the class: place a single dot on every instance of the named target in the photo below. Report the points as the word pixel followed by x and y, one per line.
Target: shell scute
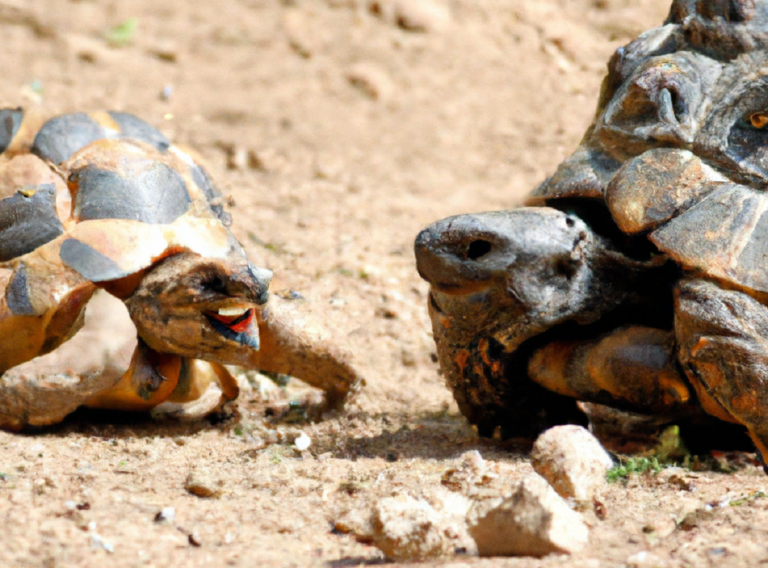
pixel 28 220
pixel 17 294
pixel 10 121
pixel 102 250
pixel 62 136
pixel 151 192
pixel 723 236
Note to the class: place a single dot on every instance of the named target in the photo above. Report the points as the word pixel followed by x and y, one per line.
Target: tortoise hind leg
pixel 38 312
pixel 44 390
pixel 632 368
pixel 723 338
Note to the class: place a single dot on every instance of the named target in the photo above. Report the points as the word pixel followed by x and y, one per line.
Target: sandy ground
pixel 361 133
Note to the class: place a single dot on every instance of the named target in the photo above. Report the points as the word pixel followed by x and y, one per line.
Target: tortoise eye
pixel 759 120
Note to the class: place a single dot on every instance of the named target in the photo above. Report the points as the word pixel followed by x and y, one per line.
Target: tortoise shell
pixel 106 167
pixel 91 199
pixel 678 150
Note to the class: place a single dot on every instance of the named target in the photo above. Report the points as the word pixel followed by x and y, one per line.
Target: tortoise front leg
pixel 723 339
pixel 632 368
pixel 201 389
pixel 149 381
pixel 292 345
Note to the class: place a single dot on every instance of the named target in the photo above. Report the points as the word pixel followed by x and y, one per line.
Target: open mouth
pixel 236 324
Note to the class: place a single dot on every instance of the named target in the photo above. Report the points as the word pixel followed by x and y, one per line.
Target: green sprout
pixel 121 34
pixel 633 465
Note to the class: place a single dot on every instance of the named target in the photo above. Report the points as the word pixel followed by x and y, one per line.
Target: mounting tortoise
pixel 637 275
pixel 105 201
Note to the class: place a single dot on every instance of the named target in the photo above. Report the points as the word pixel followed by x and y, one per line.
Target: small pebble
pixel 532 521
pixel 194 539
pixel 405 529
pixel 97 541
pixel 167 515
pixel 572 460
pixel 167 93
pixel 413 15
pixel 371 80
pixel 302 442
pixel 202 483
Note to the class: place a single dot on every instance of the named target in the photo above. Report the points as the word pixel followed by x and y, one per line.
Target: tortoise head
pixel 682 116
pixel 201 307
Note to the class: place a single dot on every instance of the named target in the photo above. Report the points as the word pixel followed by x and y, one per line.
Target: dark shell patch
pixel 10 120
pixel 16 295
pixel 89 262
pixel 203 181
pixel 62 136
pixel 132 127
pixel 28 220
pixel 155 194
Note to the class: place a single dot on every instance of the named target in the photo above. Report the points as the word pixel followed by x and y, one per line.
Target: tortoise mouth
pixel 236 324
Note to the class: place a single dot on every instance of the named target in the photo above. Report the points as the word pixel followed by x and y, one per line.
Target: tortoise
pixel 636 276
pixel 103 200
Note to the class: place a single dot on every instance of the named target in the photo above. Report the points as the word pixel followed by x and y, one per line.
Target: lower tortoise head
pixel 198 307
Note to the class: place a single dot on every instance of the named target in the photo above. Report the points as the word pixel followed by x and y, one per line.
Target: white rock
pixel 302 442
pixel 166 515
pixel 532 521
pixel 644 559
pixel 405 528
pixel 572 460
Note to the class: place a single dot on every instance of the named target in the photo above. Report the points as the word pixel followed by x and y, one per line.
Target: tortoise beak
pixel 234 320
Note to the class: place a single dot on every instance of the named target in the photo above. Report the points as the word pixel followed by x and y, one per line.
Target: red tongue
pixel 238 324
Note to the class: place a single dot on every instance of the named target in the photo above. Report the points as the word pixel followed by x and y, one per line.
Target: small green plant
pixel 121 34
pixel 671 447
pixel 633 465
pixel 747 498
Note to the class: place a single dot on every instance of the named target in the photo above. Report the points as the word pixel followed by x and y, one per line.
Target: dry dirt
pixel 363 132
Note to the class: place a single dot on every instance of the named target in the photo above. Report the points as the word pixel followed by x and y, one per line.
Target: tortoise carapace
pixel 104 200
pixel 637 275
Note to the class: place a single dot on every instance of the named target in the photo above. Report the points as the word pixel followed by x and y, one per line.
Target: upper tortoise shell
pixel 678 150
pixel 105 193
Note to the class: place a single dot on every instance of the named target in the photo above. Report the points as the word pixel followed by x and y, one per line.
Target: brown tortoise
pixel 637 277
pixel 104 200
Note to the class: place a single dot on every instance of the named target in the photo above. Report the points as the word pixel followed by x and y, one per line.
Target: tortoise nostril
pixel 672 107
pixel 215 284
pixel 477 249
